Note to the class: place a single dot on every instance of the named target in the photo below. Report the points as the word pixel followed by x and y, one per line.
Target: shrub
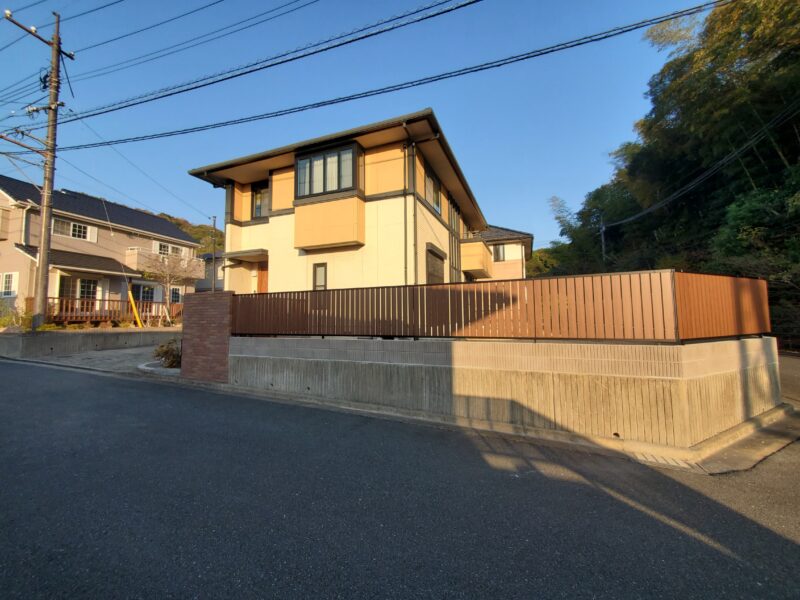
pixel 169 354
pixel 50 327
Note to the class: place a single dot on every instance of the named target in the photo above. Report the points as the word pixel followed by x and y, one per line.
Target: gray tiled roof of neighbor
pixel 496 234
pixel 92 207
pixel 82 262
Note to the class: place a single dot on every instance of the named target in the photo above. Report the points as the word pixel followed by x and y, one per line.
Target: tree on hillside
pixel 204 234
pixel 725 80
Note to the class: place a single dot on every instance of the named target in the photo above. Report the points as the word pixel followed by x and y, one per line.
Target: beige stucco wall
pixel 431 230
pixel 384 169
pixel 282 194
pixel 335 223
pixel 378 262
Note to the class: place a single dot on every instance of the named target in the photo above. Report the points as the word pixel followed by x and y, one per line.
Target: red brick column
pixel 206 336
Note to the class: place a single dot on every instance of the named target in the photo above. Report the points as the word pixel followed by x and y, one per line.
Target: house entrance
pixel 262 282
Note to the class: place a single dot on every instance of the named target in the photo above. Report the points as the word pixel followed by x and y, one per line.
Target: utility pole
pixel 603 238
pixel 214 254
pixel 53 82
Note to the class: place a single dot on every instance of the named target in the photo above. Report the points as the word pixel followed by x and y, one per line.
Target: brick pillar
pixel 206 336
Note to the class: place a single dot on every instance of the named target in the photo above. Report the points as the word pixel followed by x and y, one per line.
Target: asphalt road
pixel 120 488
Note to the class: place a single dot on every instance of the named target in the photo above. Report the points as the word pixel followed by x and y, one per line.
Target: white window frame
pixel 170 249
pixel 13 276
pixel 91 230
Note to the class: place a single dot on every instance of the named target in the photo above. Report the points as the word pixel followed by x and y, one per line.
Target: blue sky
pixel 521 133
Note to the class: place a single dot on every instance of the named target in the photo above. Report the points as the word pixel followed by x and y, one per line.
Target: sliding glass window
pixel 325 172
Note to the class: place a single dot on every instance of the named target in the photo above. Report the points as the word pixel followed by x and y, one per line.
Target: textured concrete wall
pixel 61 343
pixel 206 335
pixel 660 394
pixel 790 377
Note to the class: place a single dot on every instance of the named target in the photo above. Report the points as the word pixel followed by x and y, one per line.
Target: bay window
pixel 325 172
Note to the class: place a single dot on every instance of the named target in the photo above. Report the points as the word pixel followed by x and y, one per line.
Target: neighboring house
pixel 379 205
pixel 510 250
pixel 98 248
pixel 206 283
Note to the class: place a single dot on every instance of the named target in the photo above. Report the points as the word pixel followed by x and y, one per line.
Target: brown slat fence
pixel 661 306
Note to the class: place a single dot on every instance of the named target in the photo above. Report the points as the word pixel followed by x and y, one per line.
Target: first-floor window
pixel 498 252
pixel 143 293
pixel 175 295
pixel 434 268
pixel 88 288
pixel 321 276
pixel 7 285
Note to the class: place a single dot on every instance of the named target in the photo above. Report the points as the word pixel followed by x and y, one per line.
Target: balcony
pixel 329 224
pixel 476 258
pixel 143 260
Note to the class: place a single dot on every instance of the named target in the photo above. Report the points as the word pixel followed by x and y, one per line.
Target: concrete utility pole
pixel 53 82
pixel 603 237
pixel 214 254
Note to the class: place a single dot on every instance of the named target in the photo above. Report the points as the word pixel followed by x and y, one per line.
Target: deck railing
pixel 61 310
pixel 659 306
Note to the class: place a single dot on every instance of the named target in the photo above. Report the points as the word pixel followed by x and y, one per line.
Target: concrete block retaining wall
pixel 62 343
pixel 673 395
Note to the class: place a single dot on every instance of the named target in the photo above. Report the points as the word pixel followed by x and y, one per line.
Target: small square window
pixel 499 252
pixel 80 231
pixel 320 276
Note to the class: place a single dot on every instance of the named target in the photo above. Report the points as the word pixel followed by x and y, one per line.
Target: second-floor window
pixel 432 191
pixel 325 172
pixel 165 249
pixel 260 193
pixel 71 229
pixel 498 252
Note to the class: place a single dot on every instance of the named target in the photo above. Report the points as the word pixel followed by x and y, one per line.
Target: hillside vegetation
pixel 204 234
pixel 713 179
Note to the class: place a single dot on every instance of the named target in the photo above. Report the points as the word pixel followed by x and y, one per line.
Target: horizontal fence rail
pixel 657 306
pixel 80 309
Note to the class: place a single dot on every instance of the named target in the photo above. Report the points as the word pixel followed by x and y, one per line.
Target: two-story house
pixel 98 249
pixel 383 204
pixel 510 251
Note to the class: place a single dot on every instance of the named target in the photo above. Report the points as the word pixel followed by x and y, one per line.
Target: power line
pixel 31 5
pixel 486 66
pixel 81 14
pixel 192 42
pixel 195 40
pixel 109 186
pixel 787 113
pixel 149 27
pixel 285 57
pixel 143 172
